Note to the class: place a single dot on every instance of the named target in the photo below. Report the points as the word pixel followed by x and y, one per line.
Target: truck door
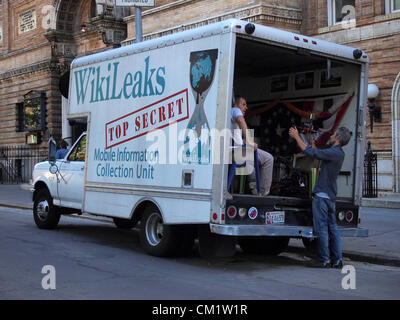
pixel 70 185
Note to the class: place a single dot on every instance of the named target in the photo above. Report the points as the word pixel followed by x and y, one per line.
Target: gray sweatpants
pixel 266 164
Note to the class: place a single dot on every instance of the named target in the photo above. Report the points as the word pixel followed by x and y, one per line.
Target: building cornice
pixel 8 54
pixel 253 13
pixel 381 26
pixel 25 70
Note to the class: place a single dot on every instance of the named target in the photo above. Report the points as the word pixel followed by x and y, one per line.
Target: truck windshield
pixel 79 150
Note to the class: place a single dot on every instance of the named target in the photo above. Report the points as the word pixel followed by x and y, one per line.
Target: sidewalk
pixel 382 246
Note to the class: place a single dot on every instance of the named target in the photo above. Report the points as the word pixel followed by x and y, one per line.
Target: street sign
pixel 136 3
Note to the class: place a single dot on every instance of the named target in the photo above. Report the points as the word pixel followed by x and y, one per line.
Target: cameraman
pixel 323 206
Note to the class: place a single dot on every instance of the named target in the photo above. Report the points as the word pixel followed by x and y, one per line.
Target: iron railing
pixel 17 162
pixel 370 187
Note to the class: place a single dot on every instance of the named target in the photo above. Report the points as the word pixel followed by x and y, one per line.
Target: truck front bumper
pixel 279 231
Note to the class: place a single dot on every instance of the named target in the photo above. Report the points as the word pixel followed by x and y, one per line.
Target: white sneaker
pixel 253 188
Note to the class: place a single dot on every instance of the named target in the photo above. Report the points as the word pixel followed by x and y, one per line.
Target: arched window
pixel 93 9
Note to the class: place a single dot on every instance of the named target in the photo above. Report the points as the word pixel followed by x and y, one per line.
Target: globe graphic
pixel 202 69
pixel 201 73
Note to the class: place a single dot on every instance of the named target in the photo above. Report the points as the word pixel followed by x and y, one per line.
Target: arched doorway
pixel 395 106
pixel 82 27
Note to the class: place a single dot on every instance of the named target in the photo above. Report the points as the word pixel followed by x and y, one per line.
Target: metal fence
pixel 370 187
pixel 17 162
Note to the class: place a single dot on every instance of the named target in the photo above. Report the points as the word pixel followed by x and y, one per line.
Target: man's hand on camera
pixel 293 132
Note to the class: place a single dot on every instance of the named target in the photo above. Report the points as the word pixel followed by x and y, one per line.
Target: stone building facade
pixel 38 41
pixel 35 53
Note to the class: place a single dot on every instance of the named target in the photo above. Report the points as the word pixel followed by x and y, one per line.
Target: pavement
pixel 381 216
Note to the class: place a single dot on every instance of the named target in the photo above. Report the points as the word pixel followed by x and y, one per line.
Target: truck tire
pixel 45 214
pixel 156 238
pixel 271 246
pixel 124 223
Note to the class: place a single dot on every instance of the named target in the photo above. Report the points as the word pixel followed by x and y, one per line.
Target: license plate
pixel 273 217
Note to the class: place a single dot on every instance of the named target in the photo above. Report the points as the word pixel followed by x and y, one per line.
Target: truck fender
pixel 141 205
pixel 41 183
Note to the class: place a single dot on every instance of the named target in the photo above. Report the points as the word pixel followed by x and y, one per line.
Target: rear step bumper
pixel 279 231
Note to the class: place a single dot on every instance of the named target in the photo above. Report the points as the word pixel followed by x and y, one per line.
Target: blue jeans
pixel 326 230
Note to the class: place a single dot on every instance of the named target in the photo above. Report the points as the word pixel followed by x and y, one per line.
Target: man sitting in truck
pixel 240 137
pixel 62 152
pixel 325 190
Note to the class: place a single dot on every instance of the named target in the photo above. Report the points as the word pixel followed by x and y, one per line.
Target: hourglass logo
pixel 197 141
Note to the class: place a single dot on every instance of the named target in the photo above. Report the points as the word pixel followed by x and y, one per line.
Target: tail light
pixel 341 215
pixel 242 212
pixel 231 212
pixel 349 216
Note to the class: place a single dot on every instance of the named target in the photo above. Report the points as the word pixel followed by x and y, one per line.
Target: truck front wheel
pixel 156 238
pixel 45 214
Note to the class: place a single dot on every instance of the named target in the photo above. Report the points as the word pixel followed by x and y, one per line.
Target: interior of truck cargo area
pixel 285 87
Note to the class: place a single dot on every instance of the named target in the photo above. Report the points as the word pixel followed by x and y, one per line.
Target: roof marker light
pixel 314 42
pixel 250 28
pixel 305 40
pixel 357 53
pixel 296 38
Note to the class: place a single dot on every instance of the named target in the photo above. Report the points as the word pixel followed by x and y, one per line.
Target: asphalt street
pixel 94 260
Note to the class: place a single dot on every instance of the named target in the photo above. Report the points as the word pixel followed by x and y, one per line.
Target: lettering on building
pixel 27 21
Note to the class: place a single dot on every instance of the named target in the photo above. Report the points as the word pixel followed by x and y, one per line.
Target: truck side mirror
pixel 52 150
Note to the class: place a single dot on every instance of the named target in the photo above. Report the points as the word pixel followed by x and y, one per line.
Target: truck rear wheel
pixel 45 214
pixel 156 238
pixel 264 245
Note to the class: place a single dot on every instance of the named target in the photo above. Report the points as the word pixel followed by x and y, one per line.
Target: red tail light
pixel 231 212
pixel 349 216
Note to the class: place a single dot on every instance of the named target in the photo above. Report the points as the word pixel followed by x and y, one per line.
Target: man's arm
pixel 310 149
pixel 247 138
pixel 294 133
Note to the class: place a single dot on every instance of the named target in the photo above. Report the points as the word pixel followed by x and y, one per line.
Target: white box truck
pixel 158 117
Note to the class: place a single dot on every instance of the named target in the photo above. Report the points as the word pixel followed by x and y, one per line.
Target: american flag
pixel 271 123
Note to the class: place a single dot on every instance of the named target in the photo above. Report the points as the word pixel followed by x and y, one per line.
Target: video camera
pixel 307 127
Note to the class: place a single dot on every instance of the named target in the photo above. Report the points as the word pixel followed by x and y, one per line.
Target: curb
pixel 369 258
pixel 380 203
pixel 16 206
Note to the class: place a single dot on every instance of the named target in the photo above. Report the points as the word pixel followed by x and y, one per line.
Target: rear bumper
pixel 279 231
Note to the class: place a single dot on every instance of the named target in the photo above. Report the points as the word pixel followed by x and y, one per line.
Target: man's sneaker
pixel 317 264
pixel 337 265
pixel 253 188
